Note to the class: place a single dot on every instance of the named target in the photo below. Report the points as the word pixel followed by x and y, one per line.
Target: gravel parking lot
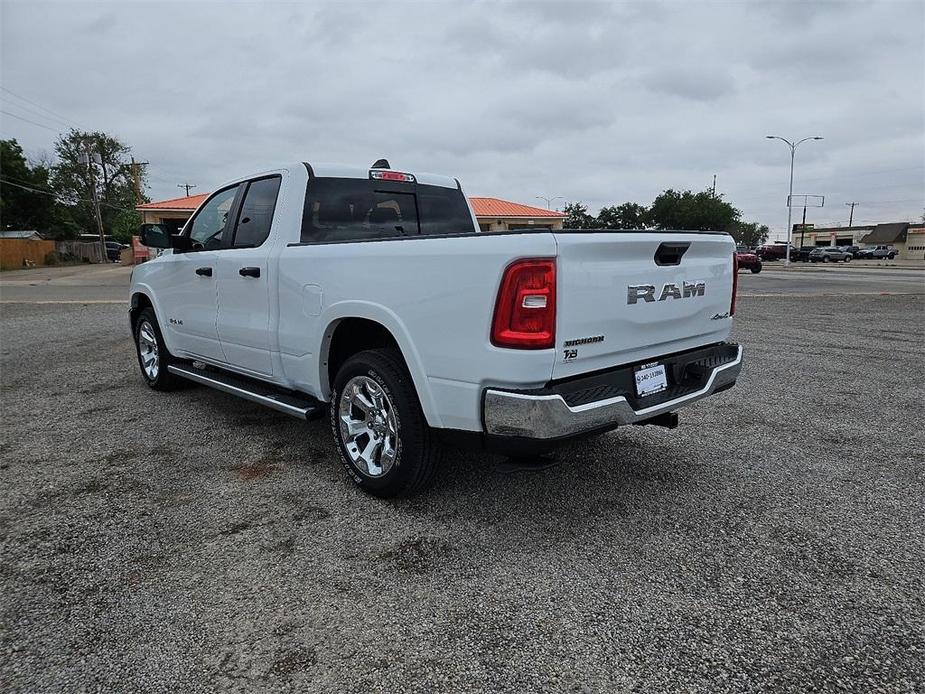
pixel 193 542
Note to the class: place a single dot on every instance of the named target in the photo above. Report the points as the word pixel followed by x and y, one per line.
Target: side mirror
pixel 159 236
pixel 154 236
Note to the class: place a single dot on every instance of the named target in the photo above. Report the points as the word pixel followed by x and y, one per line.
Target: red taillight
pixel 525 312
pixel 735 284
pixel 380 175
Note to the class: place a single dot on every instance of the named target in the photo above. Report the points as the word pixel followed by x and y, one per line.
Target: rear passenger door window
pixel 256 213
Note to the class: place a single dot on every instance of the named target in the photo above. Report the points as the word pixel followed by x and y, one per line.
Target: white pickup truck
pixel 373 293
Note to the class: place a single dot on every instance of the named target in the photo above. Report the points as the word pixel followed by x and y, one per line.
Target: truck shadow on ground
pixel 612 478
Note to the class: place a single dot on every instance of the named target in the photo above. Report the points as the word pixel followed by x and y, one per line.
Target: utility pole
pixel 803 225
pixel 187 186
pixel 713 190
pixel 851 214
pixel 136 178
pixel 90 156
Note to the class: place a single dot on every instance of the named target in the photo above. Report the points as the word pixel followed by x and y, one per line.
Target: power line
pixel 898 187
pixel 162 179
pixel 44 108
pixel 38 114
pixel 862 175
pixel 54 130
pixel 19 180
pixel 187 186
pixel 892 202
pixel 43 191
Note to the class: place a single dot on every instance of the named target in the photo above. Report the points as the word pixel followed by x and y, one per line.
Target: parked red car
pixel 748 260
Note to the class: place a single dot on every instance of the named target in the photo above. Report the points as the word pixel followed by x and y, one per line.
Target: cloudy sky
pixel 601 103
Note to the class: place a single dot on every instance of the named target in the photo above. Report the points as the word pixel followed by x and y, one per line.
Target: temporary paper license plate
pixel 650 378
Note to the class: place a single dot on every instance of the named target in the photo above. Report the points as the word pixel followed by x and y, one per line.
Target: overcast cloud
pixel 601 103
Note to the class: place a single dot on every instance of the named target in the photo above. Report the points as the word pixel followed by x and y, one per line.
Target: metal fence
pixel 89 251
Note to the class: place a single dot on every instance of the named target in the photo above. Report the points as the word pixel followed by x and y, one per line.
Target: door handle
pixel 204 271
pixel 670 252
pixel 249 272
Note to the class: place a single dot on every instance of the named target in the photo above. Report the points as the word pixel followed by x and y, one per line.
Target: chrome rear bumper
pixel 549 416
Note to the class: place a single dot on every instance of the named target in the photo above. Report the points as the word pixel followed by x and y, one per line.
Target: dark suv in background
pixel 114 250
pixel 853 250
pixel 773 251
pixel 801 254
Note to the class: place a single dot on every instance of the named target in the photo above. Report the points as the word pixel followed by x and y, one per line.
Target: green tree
pixel 749 234
pixel 125 226
pixel 577 217
pixel 71 179
pixel 629 215
pixel 26 201
pixel 687 210
pixel 704 212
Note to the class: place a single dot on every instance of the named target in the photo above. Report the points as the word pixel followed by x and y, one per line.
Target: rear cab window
pixel 354 209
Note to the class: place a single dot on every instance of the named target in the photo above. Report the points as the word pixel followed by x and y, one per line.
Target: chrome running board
pixel 291 403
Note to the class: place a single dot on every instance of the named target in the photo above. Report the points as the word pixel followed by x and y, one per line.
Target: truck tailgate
pixel 617 304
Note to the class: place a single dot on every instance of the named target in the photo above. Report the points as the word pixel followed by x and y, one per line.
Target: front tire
pixel 847 258
pixel 379 428
pixel 756 268
pixel 153 357
pixel 826 259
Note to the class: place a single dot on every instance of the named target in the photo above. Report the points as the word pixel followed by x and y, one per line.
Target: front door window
pixel 209 223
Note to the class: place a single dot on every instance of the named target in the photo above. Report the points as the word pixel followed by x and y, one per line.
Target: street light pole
pixel 549 200
pixel 793 150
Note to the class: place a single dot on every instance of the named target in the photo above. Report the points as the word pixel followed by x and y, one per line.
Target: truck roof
pixel 334 170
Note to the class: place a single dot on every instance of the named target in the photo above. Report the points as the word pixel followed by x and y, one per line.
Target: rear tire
pixel 378 426
pixel 826 259
pixel 756 269
pixel 153 357
pixel 847 258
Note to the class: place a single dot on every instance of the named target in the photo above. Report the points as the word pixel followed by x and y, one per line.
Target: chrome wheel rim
pixel 368 426
pixel 147 350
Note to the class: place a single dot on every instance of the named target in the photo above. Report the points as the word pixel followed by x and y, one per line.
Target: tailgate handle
pixel 670 252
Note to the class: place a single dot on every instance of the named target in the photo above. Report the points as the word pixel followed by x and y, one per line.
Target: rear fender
pixel 391 322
